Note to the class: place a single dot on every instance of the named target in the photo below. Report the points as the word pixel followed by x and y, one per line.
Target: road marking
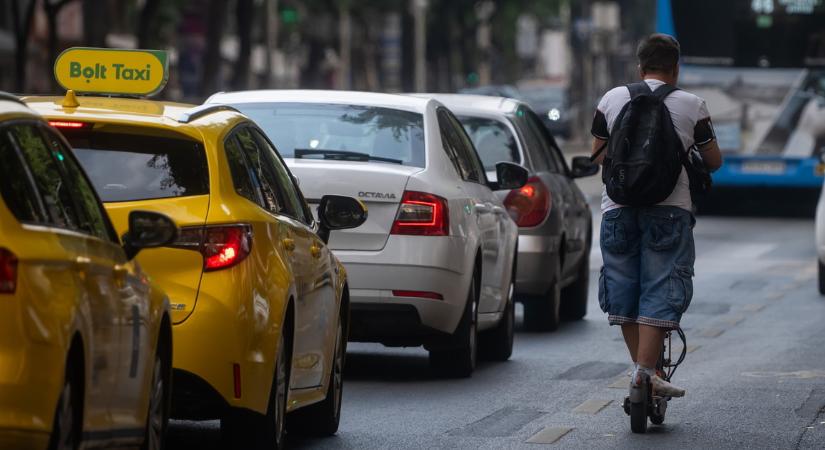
pixel 733 320
pixel 621 383
pixel 504 422
pixel 693 348
pixel 800 374
pixel 711 332
pixel 753 307
pixel 549 435
pixel 775 296
pixel 592 406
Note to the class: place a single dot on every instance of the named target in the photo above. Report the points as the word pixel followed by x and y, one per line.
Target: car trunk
pixel 178 271
pixel 379 185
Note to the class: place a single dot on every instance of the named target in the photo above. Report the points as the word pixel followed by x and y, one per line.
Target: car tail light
pixel 422 214
pixel 69 124
pixel 8 272
pixel 221 246
pixel 529 205
pixel 419 294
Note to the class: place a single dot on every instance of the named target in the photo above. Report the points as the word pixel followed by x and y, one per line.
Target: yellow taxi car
pixel 259 303
pixel 85 337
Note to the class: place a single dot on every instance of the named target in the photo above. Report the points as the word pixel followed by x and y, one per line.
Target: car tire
pixel 322 419
pixel 245 429
pixel 157 417
pixel 574 297
pixel 542 313
pixel 497 344
pixel 821 277
pixel 459 359
pixel 67 429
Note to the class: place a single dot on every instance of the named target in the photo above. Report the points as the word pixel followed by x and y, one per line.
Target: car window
pixel 292 198
pixel 467 150
pixel 452 145
pixel 493 140
pixel 132 165
pixel 96 221
pixel 262 171
pixel 239 169
pixel 16 188
pixel 52 186
pixel 387 134
pixel 546 143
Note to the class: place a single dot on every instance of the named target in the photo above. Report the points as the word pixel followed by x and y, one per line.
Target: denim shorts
pixel 648 254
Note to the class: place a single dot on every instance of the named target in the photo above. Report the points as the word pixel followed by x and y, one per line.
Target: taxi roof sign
pixel 112 71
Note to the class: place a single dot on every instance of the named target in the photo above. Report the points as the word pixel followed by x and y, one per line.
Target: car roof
pixel 471 102
pixel 158 114
pixel 11 107
pixel 394 101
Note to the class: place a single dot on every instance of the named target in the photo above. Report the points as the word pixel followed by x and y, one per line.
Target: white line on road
pixel 592 406
pixel 549 435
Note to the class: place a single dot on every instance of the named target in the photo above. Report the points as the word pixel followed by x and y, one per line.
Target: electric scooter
pixel 642 403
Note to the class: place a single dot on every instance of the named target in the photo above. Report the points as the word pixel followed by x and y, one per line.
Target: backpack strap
pixel 637 89
pixel 663 91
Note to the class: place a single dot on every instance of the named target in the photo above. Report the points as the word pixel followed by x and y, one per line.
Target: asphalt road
pixel 754 374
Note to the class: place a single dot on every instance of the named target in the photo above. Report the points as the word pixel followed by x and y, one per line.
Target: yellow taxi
pixel 260 305
pixel 85 337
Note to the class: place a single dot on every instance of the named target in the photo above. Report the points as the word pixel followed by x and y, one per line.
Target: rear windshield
pixel 493 140
pixel 385 134
pixel 128 167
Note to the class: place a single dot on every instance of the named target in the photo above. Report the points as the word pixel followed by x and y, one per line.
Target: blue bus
pixel 760 65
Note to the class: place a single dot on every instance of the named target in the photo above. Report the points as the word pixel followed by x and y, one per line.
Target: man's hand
pixel 711 155
pixel 597 144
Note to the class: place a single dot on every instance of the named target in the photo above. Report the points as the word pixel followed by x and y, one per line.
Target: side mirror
pixel 509 176
pixel 583 167
pixel 337 212
pixel 148 229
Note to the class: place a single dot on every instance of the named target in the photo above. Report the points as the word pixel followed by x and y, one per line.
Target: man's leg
pixel 630 331
pixel 650 345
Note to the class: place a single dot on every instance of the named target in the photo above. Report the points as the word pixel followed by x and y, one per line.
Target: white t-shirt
pixel 690 119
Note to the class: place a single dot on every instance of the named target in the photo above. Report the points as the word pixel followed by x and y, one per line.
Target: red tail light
pixel 68 124
pixel 529 205
pixel 8 272
pixel 221 246
pixel 422 214
pixel 419 294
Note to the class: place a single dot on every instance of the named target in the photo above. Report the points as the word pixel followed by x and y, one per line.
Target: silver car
pixel 433 265
pixel 555 223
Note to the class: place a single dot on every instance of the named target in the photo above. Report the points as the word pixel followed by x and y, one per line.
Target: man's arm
pixel 706 143
pixel 597 144
pixel 711 155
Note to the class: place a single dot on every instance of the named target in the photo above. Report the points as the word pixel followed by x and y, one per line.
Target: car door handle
pixel 289 244
pixel 315 251
pixel 482 208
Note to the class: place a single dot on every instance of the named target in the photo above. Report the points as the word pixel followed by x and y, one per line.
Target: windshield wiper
pixel 343 155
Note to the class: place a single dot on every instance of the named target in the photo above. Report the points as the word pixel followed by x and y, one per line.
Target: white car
pixel 434 263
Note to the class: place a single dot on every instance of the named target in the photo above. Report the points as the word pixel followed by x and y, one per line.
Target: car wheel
pixel 821 277
pixel 157 417
pixel 68 419
pixel 542 313
pixel 459 359
pixel 244 429
pixel 574 297
pixel 321 419
pixel 497 344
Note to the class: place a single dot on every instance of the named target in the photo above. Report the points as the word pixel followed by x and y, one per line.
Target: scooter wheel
pixel 638 417
pixel 657 420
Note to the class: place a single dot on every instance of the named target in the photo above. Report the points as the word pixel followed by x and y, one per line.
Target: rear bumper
pixel 536 261
pixel 797 173
pixel 408 263
pixel 395 325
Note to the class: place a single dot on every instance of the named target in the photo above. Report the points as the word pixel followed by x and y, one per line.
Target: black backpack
pixel 644 154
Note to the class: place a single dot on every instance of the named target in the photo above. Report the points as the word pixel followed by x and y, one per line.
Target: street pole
pixel 419 10
pixel 345 39
pixel 484 11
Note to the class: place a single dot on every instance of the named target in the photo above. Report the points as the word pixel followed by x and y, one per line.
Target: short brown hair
pixel 658 53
